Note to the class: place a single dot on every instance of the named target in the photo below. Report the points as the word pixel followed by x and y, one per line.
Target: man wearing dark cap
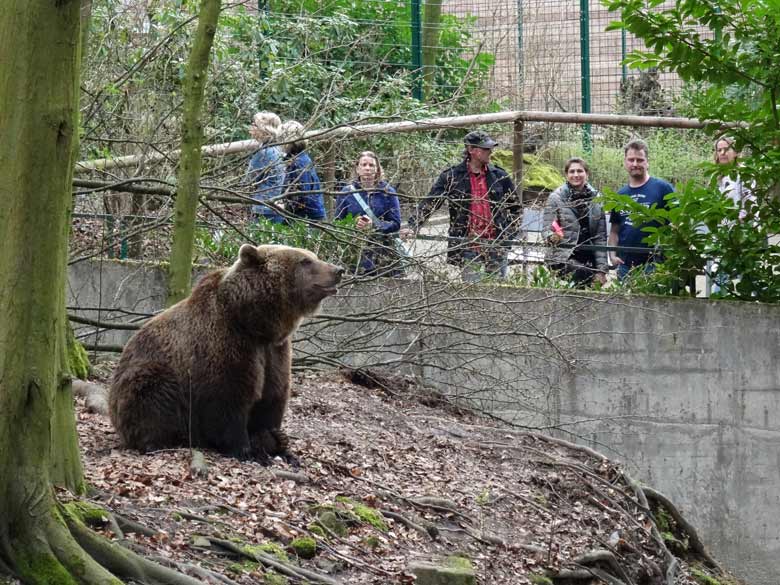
pixel 483 207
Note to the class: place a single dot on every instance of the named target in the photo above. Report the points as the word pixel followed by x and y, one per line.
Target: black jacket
pixel 560 206
pixel 454 187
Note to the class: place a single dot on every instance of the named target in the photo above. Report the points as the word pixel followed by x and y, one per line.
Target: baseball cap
pixel 479 139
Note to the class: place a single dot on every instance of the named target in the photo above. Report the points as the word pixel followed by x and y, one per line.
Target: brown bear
pixel 213 370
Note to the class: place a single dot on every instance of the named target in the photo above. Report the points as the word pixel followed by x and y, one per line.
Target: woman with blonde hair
pixel 374 203
pixel 726 154
pixel 266 167
pixel 302 186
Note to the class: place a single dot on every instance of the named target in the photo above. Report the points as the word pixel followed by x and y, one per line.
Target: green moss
pixel 270 548
pixel 330 520
pixel 536 174
pixel 372 542
pixel 316 529
pixel 703 578
pixel 246 566
pixel 371 516
pixel 305 547
pixel 271 578
pixel 663 520
pixel 88 513
pixel 538 579
pixel 459 562
pixel 483 498
pixel 43 570
pixel 78 360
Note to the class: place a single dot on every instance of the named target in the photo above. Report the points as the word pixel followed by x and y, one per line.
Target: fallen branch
pixel 429 530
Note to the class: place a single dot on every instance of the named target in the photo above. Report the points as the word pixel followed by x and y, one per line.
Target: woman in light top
pixel 732 187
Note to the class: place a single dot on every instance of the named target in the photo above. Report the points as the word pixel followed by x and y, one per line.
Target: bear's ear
pixel 249 255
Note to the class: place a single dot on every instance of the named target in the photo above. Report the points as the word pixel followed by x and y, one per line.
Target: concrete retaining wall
pixel 686 393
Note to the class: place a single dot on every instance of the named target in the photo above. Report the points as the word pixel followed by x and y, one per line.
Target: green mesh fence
pixel 487 54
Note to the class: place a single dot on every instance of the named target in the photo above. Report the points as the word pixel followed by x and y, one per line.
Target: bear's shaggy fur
pixel 213 371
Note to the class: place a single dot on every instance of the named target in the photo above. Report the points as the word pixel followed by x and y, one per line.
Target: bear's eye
pixel 306 262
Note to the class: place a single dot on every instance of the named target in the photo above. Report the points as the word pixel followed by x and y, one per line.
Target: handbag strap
pixel 362 202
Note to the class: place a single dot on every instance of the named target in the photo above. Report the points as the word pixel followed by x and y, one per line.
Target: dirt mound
pixel 387 476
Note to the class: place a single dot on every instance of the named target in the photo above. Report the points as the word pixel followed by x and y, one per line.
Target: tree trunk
pixel 39 49
pixel 430 44
pixel 180 270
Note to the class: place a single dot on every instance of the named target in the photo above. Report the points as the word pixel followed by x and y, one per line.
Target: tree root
pixel 95 396
pixel 121 561
pixel 694 542
pixel 270 561
pixel 428 530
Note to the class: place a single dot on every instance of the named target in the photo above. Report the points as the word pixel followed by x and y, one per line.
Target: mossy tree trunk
pixel 39 49
pixel 430 44
pixel 180 270
pixel 42 541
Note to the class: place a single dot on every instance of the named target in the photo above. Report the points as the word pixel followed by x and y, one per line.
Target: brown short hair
pixel 576 160
pixel 637 145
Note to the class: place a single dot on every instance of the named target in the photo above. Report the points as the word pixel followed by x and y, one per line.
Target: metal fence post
pixel 587 140
pixel 417 90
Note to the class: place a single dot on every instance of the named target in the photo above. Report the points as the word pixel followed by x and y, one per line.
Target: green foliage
pixel 675 155
pixel 727 52
pixel 322 64
pixel 541 277
pixel 335 242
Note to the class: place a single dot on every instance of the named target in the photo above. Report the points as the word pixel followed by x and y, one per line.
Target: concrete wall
pixel 686 393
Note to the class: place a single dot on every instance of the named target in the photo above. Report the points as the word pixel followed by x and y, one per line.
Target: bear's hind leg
pixel 146 409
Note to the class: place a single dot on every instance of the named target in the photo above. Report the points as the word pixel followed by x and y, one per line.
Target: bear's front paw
pixel 269 443
pixel 282 441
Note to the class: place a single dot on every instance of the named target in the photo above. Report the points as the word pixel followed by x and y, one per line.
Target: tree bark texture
pixel 39 85
pixel 180 270
pixel 430 43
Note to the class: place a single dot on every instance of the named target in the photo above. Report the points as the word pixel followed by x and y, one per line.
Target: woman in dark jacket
pixel 301 186
pixel 380 222
pixel 571 219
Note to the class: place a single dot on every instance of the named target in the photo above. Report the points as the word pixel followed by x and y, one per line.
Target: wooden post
pixel 329 180
pixel 517 176
pixel 517 158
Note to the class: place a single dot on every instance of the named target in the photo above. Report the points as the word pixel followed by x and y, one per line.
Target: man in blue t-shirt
pixel 643 189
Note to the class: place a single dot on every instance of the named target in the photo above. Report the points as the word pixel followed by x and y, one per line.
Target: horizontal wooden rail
pixel 363 130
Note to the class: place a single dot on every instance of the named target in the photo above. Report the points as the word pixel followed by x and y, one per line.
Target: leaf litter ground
pixel 443 481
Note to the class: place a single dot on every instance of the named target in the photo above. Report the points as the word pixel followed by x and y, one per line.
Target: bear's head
pixel 271 288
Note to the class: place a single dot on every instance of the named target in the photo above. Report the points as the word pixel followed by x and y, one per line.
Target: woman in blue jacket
pixel 266 167
pixel 374 204
pixel 302 186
